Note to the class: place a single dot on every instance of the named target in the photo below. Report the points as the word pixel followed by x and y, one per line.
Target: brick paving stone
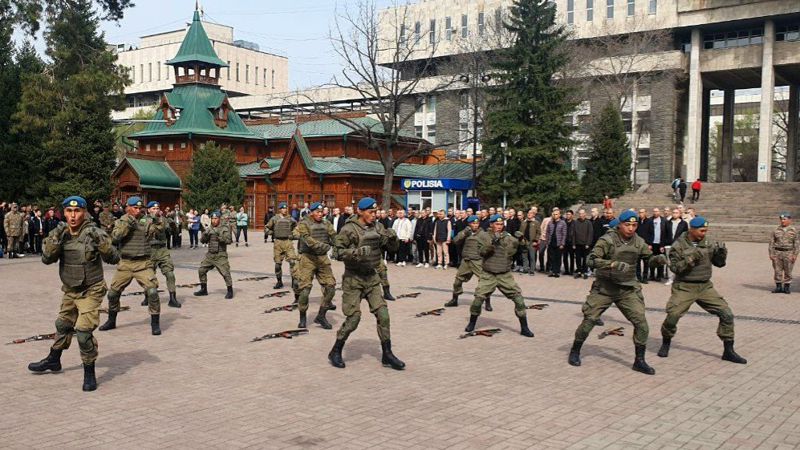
pixel 203 384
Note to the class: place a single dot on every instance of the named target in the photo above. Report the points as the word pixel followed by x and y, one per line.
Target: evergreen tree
pixel 10 181
pixel 214 178
pixel 608 168
pixel 528 111
pixel 70 105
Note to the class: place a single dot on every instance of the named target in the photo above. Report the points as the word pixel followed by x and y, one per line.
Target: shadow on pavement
pixel 120 363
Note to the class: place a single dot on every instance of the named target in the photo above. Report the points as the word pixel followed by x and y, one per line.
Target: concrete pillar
pixel 726 163
pixel 634 131
pixel 792 137
pixel 704 125
pixel 766 109
pixel 691 157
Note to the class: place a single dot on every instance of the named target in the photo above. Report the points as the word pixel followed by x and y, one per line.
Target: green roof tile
pixel 196 47
pixel 155 174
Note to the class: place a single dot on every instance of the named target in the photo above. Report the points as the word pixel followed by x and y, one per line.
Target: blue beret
pixel 152 204
pixel 613 224
pixel 628 216
pixel 315 206
pixel 496 218
pixel 472 219
pixel 135 201
pixel 215 214
pixel 367 203
pixel 74 201
pixel 698 222
pixel 281 205
pixel 785 215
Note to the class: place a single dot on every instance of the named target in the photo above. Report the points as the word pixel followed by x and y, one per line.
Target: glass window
pixel 589 10
pixel 570 11
pixel 237 72
pixel 403 33
pixel 149 71
pixel 448 28
pixel 158 72
pixel 255 75
pixel 171 147
pixel 432 32
pixel 273 78
pixel 417 31
pixel 426 198
pixel 265 77
pixel 652 7
pixel 147 147
pixel 432 134
pixel 247 73
pixel 158 147
pixel 133 74
pixel 141 73
pixel 464 26
pixel 481 24
pixel 631 7
pixel 413 200
pixel 431 104
pixel 609 9
pixel 418 131
pixel 229 70
pixel 756 36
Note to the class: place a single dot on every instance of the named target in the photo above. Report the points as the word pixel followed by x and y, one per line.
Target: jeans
pixel 422 250
pixel 193 238
pixel 239 230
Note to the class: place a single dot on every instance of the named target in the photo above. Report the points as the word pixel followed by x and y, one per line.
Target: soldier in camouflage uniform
pixel 614 259
pixel 107 220
pixel 133 233
pixel 691 259
pixel 80 249
pixel 383 272
pixel 471 261
pixel 159 254
pixel 783 249
pixel 218 236
pixel 315 236
pixel 14 224
pixel 497 248
pixel 280 226
pixel 360 244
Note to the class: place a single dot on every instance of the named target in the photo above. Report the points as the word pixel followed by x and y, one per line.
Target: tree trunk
pixel 388 179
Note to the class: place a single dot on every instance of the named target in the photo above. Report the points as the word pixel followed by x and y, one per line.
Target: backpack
pixel 675 183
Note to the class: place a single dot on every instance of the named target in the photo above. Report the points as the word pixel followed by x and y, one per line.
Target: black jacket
pixel 649 230
pixel 667 237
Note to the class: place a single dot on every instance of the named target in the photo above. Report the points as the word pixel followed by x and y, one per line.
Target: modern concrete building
pixel 249 72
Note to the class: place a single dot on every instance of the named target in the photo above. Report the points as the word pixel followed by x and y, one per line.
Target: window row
pixel 732 39
pixel 451 29
pixel 146 74
pixel 652 9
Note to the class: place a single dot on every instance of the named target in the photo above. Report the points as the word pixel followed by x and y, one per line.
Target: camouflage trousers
pixel 217 261
pixel 505 282
pixel 383 273
pixel 783 266
pixel 79 315
pixel 284 250
pixel 163 261
pixel 143 272
pixel 684 295
pixel 308 267
pixel 466 270
pixel 628 299
pixel 356 287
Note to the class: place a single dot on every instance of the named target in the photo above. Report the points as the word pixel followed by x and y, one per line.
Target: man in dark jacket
pixel 641 231
pixel 555 239
pixel 582 236
pixel 569 252
pixel 421 238
pixel 654 229
pixel 672 230
pixel 601 224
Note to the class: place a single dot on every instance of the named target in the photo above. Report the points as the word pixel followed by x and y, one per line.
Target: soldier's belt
pixel 693 281
pixel 136 258
pixel 360 273
pixel 157 245
pixel 784 249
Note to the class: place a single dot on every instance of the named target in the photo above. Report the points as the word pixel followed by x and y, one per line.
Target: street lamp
pixel 483 78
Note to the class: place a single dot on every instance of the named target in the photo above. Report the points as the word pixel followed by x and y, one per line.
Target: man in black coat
pixel 672 230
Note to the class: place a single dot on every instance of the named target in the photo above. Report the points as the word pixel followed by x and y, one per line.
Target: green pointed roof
pixel 196 47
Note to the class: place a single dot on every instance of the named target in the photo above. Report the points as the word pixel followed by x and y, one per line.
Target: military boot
pixel 203 290
pixel 473 319
pixel 523 327
pixel 599 322
pixel 173 300
pixel 279 284
pixel 664 350
pixel 302 323
pixel 778 288
pixel 332 307
pixel 155 325
pixel 387 295
pixel 229 294
pixel 335 355
pixel 388 359
pixel 89 380
pixel 487 305
pixel 453 302
pixel 730 354
pixel 52 362
pixel 144 301
pixel 111 323
pixel 786 288
pixel 639 364
pixel 574 358
pixel 321 320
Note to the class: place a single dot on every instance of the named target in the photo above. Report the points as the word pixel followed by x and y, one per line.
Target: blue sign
pixel 433 184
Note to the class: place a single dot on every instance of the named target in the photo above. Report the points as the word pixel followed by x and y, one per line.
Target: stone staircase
pixel 737 211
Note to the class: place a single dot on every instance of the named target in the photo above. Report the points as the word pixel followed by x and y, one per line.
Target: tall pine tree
pixel 608 168
pixel 214 178
pixel 528 111
pixel 70 104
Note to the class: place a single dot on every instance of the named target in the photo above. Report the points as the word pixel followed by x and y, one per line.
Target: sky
pixel 297 29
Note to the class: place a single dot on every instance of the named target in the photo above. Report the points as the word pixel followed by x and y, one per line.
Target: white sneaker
pixel 403 263
pixel 427 265
pixel 444 267
pixel 440 267
pixel 398 264
pixel 668 283
pixel 419 265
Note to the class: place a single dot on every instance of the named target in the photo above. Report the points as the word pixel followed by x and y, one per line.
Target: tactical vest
pixel 135 244
pixel 74 269
pixel 620 251
pixel 318 231
pixel 215 245
pixel 368 237
pixel 701 271
pixel 282 228
pixel 160 238
pixel 500 261
pixel 470 250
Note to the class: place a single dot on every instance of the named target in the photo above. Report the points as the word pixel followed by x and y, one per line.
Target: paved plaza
pixel 203 384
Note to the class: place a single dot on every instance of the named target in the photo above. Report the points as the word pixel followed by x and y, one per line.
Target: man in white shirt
pixel 405 234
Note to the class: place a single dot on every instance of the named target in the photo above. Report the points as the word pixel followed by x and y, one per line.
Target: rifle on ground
pixel 38 337
pixel 253 278
pixel 140 293
pixel 409 295
pixel 539 306
pixel 433 312
pixel 619 331
pixel 274 294
pixel 290 307
pixel 190 285
pixel 489 332
pixel 121 308
pixel 288 334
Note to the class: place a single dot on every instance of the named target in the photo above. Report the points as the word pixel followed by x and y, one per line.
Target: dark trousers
pixel 176 238
pixel 239 230
pixel 422 250
pixel 193 238
pixel 580 258
pixel 659 272
pixel 683 194
pixel 455 255
pixel 37 244
pixel 543 265
pixel 695 195
pixel 402 251
pixel 554 256
pixel 169 239
pixel 569 259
